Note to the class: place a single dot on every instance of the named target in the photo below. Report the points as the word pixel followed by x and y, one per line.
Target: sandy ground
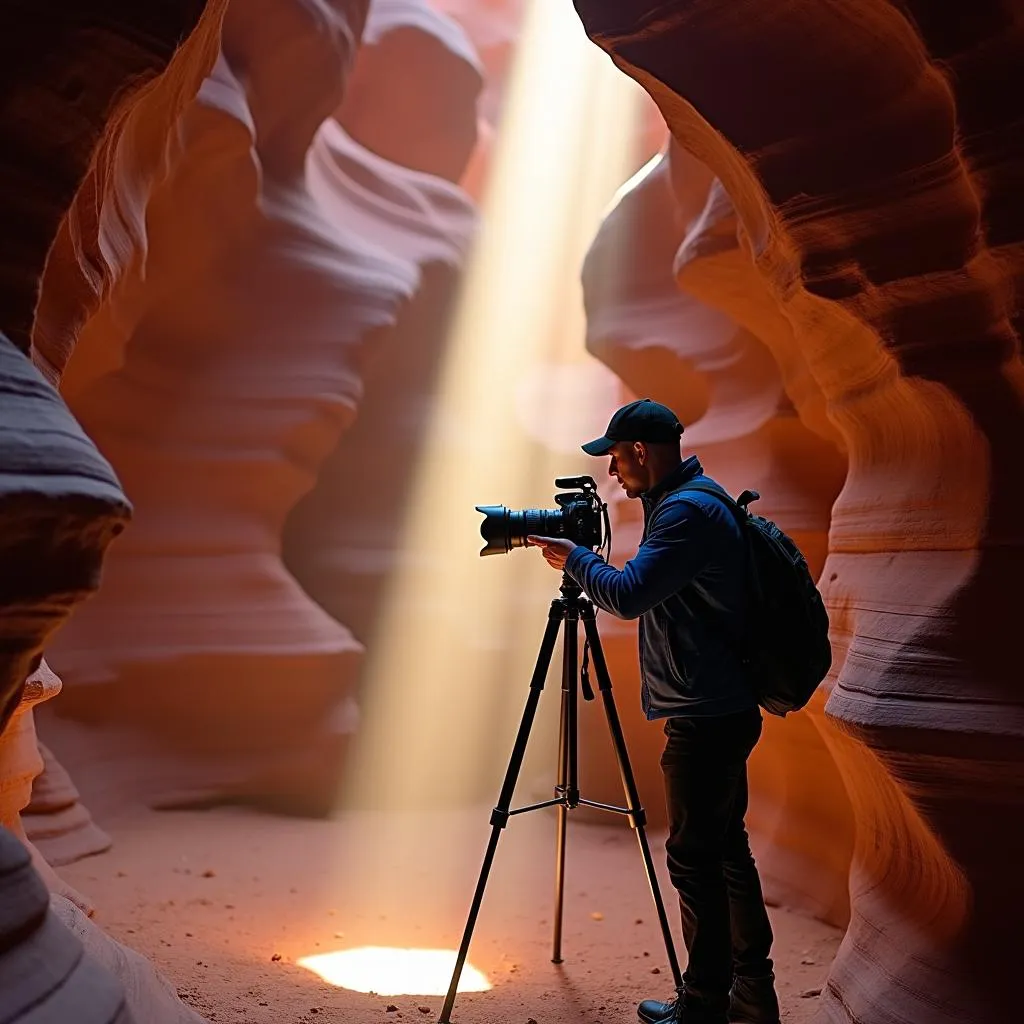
pixel 226 903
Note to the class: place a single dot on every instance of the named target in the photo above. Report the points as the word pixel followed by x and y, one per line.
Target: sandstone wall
pixel 341 539
pixel 74 87
pixel 281 251
pixel 872 173
pixel 662 282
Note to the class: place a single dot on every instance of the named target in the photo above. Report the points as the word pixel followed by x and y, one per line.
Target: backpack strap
pixel 737 505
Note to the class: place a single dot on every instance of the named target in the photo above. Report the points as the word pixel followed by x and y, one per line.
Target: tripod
pixel 569 609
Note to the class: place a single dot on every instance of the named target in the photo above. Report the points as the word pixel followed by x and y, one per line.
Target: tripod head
pixel 574 607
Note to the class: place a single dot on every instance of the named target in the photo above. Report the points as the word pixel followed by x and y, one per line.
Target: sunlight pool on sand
pixel 394 972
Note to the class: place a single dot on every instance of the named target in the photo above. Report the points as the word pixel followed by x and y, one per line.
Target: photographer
pixel 687 586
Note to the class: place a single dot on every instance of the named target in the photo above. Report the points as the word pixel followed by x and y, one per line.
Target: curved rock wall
pixel 70 86
pixel 102 234
pixel 100 241
pixel 280 254
pixel 60 505
pixel 50 54
pixel 800 818
pixel 69 72
pixel 43 974
pixel 873 182
pixel 55 821
pixel 341 539
pixel 217 417
pixel 659 284
pixel 493 27
pixel 412 96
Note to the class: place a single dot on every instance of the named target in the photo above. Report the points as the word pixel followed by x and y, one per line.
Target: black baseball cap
pixel 642 420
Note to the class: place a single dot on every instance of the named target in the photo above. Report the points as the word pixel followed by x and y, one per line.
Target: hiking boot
pixel 753 1000
pixel 679 1011
pixel 650 1011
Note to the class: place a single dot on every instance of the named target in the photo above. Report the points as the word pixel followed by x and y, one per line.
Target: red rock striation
pixel 493 26
pixel 55 821
pixel 102 234
pixel 341 539
pixel 70 71
pixel 412 96
pixel 68 85
pixel 281 231
pixel 873 173
pixel 20 764
pixel 43 974
pixel 60 505
pixel 660 283
pixel 800 818
pixel 101 239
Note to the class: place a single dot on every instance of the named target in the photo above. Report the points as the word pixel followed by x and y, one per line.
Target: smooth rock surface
pixel 872 181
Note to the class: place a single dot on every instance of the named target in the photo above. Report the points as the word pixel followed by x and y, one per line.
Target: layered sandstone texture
pixel 21 765
pixel 58 967
pixel 81 75
pixel 60 507
pixel 876 176
pixel 662 282
pixel 494 29
pixel 280 251
pixel 70 85
pixel 342 539
pixel 44 976
pixel 101 238
pixel 55 820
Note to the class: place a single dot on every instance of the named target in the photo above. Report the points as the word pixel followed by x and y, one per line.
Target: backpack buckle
pixel 746 498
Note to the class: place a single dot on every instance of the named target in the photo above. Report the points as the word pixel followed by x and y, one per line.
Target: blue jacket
pixel 687 585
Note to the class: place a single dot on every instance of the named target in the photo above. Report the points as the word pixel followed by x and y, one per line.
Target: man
pixel 687 586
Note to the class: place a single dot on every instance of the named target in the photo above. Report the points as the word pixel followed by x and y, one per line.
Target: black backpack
pixel 786 647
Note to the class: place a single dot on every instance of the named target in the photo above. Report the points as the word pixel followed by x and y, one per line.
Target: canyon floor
pixel 228 903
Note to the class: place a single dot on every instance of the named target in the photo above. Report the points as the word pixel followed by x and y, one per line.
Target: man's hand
pixel 554 549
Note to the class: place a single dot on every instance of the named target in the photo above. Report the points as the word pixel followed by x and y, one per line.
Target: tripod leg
pixel 637 817
pixel 568 771
pixel 560 835
pixel 500 815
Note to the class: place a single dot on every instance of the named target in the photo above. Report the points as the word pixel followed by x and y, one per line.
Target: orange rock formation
pixel 872 174
pixel 55 822
pixel 660 283
pixel 493 26
pixel 341 538
pixel 72 89
pixel 296 247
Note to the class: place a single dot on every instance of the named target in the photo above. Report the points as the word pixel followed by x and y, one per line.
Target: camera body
pixel 581 517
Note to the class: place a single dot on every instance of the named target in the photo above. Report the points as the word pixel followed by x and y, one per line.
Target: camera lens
pixel 504 529
pixel 534 522
pixel 578 518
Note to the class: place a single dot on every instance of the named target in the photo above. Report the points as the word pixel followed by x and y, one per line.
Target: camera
pixel 581 517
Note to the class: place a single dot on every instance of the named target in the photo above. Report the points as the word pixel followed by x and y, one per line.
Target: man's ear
pixel 641 452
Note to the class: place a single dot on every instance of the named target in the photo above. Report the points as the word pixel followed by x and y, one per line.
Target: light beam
pixel 451 658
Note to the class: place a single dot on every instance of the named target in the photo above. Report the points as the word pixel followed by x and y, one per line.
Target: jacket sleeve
pixel 679 544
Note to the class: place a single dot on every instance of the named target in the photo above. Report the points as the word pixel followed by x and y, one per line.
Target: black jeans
pixel 725 924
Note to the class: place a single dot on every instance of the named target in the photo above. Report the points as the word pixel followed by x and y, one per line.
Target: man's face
pixel 626 464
